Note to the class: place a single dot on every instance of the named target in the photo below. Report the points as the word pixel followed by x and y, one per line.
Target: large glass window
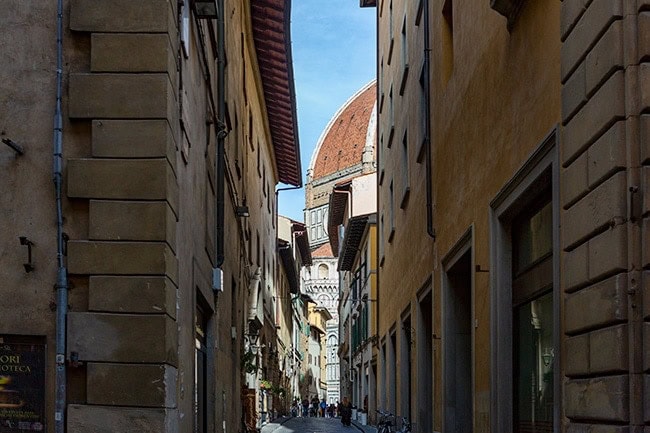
pixel 533 358
pixel 200 372
pixel 532 298
pixel 524 297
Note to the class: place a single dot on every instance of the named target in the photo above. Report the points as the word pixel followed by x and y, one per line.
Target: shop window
pixel 525 298
pixel 200 370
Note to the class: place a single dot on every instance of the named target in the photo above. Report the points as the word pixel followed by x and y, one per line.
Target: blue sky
pixel 333 47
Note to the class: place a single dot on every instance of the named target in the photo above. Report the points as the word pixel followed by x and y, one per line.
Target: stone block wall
pixel 603 197
pixel 128 338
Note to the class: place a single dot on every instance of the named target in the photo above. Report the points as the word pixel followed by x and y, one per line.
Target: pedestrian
pixel 314 406
pixel 294 408
pixel 345 409
pixel 330 410
pixel 323 406
pixel 305 406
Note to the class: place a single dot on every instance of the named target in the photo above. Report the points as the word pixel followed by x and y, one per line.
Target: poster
pixel 22 385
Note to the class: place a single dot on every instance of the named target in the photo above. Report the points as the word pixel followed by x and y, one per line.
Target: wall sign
pixel 22 384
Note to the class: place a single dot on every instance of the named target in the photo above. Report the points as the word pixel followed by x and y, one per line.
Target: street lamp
pixel 206 9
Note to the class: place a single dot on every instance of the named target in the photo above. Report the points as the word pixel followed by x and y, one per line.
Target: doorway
pixel 457 340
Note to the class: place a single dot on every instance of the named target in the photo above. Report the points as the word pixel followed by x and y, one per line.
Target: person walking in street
pixel 314 406
pixel 345 409
pixel 323 406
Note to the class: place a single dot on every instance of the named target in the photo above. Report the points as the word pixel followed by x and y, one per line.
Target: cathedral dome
pixel 350 130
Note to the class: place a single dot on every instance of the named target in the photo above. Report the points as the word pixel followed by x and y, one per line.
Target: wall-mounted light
pixel 547 356
pixel 242 211
pixel 205 9
pixel 29 266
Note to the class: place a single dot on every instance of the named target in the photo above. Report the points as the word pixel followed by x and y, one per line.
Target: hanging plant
pixel 266 384
pixel 249 362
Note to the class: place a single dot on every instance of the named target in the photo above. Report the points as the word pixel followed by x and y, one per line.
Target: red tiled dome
pixel 324 250
pixel 341 144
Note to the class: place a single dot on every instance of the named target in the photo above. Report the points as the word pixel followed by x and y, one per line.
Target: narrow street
pixel 310 425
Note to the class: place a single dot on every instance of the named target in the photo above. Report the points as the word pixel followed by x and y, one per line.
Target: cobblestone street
pixel 314 425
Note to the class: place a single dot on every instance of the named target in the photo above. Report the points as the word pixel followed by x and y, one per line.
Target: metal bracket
pixel 635 204
pixel 15 146
pixel 477 268
pixel 29 266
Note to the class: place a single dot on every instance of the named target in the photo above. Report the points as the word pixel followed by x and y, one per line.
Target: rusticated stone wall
pixel 604 150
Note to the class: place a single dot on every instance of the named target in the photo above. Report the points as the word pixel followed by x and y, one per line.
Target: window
pixel 418 14
pixel 390 31
pixel 383 401
pixel 509 9
pixel 185 28
pixel 381 85
pixel 392 372
pixel 447 40
pixel 405 57
pixel 250 130
pixel 200 371
pixel 381 240
pixel 259 250
pixel 532 306
pixel 405 171
pixel 391 213
pixel 380 158
pixel 457 345
pixel 424 112
pixel 323 271
pixel 259 159
pixel 391 117
pixel 525 297
pixel 406 367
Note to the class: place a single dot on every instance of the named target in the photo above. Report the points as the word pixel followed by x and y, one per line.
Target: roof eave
pixel 354 232
pixel 287 148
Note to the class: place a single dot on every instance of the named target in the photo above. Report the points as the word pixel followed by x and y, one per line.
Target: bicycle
pixel 406 426
pixel 385 424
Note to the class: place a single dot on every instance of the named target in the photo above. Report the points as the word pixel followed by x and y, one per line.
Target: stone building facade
pixel 345 149
pixel 168 162
pixel 353 208
pixel 512 202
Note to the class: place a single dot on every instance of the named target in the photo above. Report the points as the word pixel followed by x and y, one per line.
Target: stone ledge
pixel 607 302
pixel 131 385
pixel 133 139
pixel 131 52
pixel 599 399
pixel 121 96
pixel 122 179
pixel 594 118
pixel 110 419
pixel 601 256
pixel 120 16
pixel 121 258
pixel 592 24
pixel 132 221
pixel 113 294
pixel 103 337
pixel 602 207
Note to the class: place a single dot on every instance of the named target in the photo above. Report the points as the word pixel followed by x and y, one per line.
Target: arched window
pixel 323 271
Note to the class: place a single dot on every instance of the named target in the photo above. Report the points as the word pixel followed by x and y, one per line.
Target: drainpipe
pixel 277 210
pixel 427 129
pixel 62 272
pixel 635 249
pixel 221 137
